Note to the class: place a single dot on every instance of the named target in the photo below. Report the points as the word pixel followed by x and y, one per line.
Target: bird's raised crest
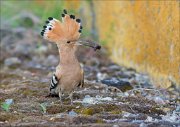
pixel 68 30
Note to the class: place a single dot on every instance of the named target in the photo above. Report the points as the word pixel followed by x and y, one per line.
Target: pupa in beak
pixel 89 43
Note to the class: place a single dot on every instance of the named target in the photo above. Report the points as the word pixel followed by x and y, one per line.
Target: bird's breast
pixel 70 78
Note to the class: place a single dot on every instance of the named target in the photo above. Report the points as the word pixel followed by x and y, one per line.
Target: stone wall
pixel 141 34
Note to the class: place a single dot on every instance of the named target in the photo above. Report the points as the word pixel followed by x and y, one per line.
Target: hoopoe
pixel 69 74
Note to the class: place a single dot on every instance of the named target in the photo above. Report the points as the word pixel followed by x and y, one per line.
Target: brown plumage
pixel 69 74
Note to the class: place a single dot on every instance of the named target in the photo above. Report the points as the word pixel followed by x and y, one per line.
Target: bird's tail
pixel 68 30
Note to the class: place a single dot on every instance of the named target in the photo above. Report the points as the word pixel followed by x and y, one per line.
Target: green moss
pixel 118 111
pixel 10 117
pixel 59 109
pixel 88 111
pixel 100 121
pixel 99 108
pixel 27 92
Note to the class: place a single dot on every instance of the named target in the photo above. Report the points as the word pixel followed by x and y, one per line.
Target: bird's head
pixel 67 32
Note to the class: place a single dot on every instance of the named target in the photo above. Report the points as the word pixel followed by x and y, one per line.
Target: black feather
pixel 50 18
pixel 78 20
pixel 65 12
pixel 72 16
pixel 42 33
pixel 63 15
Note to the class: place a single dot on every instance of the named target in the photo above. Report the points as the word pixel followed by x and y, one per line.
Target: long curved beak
pixel 90 43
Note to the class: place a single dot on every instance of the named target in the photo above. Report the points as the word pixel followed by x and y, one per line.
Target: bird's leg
pixel 60 97
pixel 71 98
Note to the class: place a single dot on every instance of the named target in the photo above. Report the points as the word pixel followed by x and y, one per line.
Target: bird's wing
pixel 54 83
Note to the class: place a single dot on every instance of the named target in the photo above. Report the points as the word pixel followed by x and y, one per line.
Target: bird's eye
pixel 68 41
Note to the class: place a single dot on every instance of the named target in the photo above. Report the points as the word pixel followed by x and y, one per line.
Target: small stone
pixel 115 125
pixel 107 99
pixel 114 67
pixel 143 125
pixel 159 100
pixel 12 61
pixel 72 113
pixel 78 106
pixel 89 100
pixel 121 74
pixel 42 49
pixel 9 101
pixel 52 118
pixel 101 76
pixel 126 94
pixel 51 60
pixel 120 84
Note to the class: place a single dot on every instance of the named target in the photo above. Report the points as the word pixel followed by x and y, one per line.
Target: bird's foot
pixel 52 95
pixel 61 103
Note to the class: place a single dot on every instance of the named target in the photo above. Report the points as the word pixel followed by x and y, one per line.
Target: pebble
pixel 94 100
pixel 12 61
pixel 159 100
pixel 123 74
pixel 143 125
pixel 9 101
pixel 89 100
pixel 114 67
pixel 42 49
pixel 23 49
pixel 142 78
pixel 107 99
pixel 51 60
pixel 115 125
pixel 101 76
pixel 72 113
pixel 120 84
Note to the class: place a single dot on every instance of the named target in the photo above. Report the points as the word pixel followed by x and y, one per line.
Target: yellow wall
pixel 144 35
pixel 141 34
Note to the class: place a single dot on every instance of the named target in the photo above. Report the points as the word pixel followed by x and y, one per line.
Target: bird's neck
pixel 67 55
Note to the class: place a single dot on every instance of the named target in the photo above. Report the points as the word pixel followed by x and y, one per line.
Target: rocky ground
pixel 113 96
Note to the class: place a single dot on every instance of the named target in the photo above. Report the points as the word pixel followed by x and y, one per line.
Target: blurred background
pixel 143 35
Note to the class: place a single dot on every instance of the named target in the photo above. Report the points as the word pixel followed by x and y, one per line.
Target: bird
pixel 69 73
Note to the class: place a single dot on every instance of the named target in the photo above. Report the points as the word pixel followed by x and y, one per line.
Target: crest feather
pixel 67 30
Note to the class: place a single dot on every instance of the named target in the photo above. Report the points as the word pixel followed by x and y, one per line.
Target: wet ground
pixel 113 96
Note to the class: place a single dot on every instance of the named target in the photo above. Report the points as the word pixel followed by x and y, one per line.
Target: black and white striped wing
pixel 54 82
